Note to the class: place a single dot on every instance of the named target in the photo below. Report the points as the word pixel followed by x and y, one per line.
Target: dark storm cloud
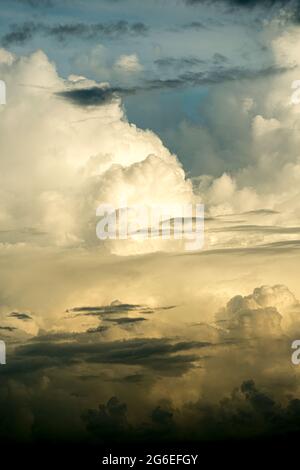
pixel 157 354
pixel 247 413
pixel 126 320
pixel 49 337
pixel 114 307
pixel 98 329
pixel 163 415
pixel 134 379
pixel 21 33
pixel 111 351
pixel 20 316
pixel 109 421
pixel 117 307
pixel 17 367
pixel 96 96
pixel 218 74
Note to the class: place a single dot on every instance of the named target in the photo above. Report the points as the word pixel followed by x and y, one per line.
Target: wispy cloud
pixel 21 33
pixel 20 316
pixel 160 354
pixel 117 307
pixel 97 96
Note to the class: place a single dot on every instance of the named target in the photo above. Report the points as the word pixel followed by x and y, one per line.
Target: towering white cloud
pixel 60 160
pixel 268 311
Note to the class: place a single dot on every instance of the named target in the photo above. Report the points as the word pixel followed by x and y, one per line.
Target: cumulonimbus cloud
pixel 92 149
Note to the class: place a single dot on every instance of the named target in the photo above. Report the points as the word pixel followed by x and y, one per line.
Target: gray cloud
pixel 246 412
pixel 20 316
pixel 197 25
pixel 126 320
pixel 97 96
pixel 292 5
pixel 94 96
pixel 37 3
pixel 243 3
pixel 162 355
pixel 8 328
pixel 265 229
pixel 23 32
pixel 109 421
pixel 116 307
pixel 168 62
pixel 98 329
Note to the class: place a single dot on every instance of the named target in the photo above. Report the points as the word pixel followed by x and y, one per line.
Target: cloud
pixel 216 75
pixel 174 62
pixel 108 156
pixel 109 421
pixel 162 356
pixel 245 3
pixel 7 328
pixel 252 162
pixel 129 63
pixel 197 25
pixel 116 307
pixel 94 96
pixel 163 415
pixel 126 320
pixel 292 7
pixel 268 311
pixel 38 3
pixel 100 95
pixel 244 320
pixel 229 377
pixel 248 412
pixel 21 33
pixel 20 316
pixel 99 63
pixel 251 391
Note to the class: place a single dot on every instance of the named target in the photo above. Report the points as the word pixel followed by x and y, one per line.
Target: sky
pixel 174 103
